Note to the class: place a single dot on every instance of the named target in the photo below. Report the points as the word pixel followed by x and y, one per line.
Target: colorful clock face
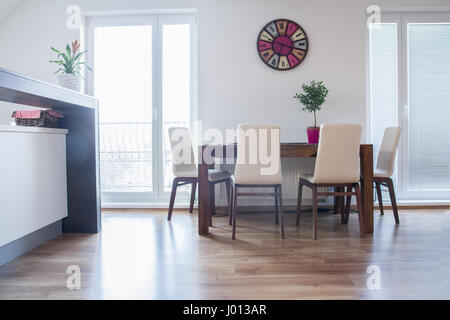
pixel 282 44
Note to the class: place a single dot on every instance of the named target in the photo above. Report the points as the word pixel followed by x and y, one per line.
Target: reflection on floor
pixel 142 256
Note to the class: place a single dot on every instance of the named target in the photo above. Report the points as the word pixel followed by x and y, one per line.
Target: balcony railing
pixel 126 156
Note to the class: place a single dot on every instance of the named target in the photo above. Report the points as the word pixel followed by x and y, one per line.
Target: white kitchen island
pixel 81 191
pixel 33 184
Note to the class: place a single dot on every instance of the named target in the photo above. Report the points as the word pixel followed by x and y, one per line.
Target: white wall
pixel 8 6
pixel 234 85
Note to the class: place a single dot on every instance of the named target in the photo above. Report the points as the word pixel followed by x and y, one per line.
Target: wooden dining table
pixel 288 150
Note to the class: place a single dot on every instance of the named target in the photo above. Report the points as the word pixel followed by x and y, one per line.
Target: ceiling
pixel 7 7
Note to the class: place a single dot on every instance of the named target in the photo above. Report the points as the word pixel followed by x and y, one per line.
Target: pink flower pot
pixel 313 135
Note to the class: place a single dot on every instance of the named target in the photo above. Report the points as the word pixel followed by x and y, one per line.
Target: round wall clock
pixel 282 44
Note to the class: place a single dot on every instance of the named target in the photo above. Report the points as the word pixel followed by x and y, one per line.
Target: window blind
pixel 429 107
pixel 383 81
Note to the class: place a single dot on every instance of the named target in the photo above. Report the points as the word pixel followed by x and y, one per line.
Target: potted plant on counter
pixel 312 98
pixel 70 66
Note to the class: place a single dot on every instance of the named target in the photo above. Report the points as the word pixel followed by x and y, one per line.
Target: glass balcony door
pixel 144 79
pixel 409 80
pixel 427 169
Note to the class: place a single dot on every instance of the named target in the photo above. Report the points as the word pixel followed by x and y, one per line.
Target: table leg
pixel 203 198
pixel 366 157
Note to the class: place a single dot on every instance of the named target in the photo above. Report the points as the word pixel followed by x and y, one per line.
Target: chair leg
pixel 193 190
pixel 228 187
pixel 335 201
pixel 280 197
pixel 172 198
pixel 230 206
pixel 360 210
pixel 380 198
pixel 315 217
pixel 212 202
pixel 348 202
pixel 276 205
pixel 338 201
pixel 342 202
pixel 233 236
pixel 393 200
pixel 299 202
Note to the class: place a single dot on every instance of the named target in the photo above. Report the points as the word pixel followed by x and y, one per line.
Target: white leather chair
pixel 385 167
pixel 337 166
pixel 185 170
pixel 258 165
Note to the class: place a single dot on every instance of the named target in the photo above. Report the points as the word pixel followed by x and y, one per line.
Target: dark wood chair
pixel 214 176
pixel 337 166
pixel 386 182
pixel 344 191
pixel 385 168
pixel 278 202
pixel 254 175
pixel 185 170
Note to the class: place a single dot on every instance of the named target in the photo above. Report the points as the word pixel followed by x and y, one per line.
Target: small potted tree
pixel 70 66
pixel 312 98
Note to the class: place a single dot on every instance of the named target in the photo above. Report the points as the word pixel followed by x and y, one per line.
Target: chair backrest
pixel 388 150
pixel 338 154
pixel 182 153
pixel 258 155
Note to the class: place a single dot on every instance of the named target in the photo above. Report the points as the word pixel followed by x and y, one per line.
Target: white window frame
pixel 402 17
pixel 156 18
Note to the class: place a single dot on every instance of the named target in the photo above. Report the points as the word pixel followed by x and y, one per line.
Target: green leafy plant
pixel 71 59
pixel 313 97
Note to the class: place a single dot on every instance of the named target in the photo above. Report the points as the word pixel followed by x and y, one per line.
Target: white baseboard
pixel 286 202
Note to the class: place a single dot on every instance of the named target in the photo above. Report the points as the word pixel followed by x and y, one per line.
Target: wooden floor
pixel 142 256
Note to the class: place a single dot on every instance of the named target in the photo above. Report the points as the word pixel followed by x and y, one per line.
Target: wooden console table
pixel 288 150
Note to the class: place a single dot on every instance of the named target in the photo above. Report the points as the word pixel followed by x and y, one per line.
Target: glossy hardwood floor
pixel 142 256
